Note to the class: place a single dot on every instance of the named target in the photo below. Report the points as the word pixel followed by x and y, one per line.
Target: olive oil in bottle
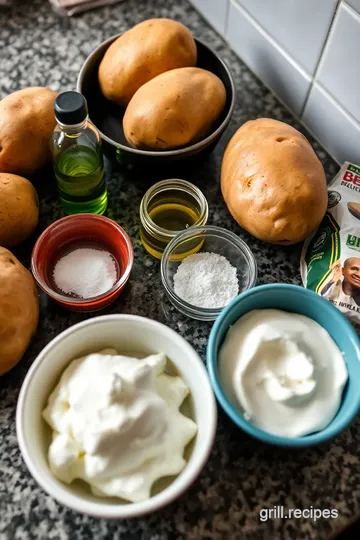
pixel 77 157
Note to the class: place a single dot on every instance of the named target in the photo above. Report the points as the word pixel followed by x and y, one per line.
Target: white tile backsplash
pixel 308 53
pixel 215 11
pixel 355 4
pixel 334 128
pixel 266 59
pixel 300 26
pixel 339 70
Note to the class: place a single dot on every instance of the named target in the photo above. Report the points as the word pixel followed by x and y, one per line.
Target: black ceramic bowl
pixel 108 116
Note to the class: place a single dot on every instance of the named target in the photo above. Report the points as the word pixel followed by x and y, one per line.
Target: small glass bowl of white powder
pixel 205 268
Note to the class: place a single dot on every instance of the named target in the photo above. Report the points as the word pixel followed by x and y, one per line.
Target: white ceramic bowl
pixel 128 334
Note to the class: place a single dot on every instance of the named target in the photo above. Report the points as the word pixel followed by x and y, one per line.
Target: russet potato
pixel 176 108
pixel 143 52
pixel 26 122
pixel 272 182
pixel 19 209
pixel 19 310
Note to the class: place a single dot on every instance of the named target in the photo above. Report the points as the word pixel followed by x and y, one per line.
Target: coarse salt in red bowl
pixel 81 231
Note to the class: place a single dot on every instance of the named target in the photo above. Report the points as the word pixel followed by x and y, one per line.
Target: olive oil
pixel 77 157
pixel 167 208
pixel 174 216
pixel 168 217
pixel 80 178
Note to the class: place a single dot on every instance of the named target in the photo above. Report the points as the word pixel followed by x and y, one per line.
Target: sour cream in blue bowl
pixel 284 364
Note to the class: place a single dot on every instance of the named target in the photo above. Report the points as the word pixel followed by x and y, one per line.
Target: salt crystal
pixel 206 280
pixel 85 272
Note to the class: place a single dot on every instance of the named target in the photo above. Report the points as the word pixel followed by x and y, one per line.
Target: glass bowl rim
pixel 214 230
pixel 171 184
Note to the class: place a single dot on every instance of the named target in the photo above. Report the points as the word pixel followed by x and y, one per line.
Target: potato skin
pixel 272 182
pixel 19 310
pixel 143 52
pixel 175 109
pixel 26 123
pixel 19 209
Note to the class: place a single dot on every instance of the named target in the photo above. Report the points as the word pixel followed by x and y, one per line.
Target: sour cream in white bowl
pixel 118 338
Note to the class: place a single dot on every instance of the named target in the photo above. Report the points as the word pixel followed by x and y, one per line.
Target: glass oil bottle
pixel 77 157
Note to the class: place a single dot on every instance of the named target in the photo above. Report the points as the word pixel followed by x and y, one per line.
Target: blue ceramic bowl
pixel 305 302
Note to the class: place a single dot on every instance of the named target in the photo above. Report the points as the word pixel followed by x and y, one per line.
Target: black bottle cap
pixel 70 108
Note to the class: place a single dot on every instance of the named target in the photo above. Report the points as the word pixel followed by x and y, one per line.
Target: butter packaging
pixel 330 259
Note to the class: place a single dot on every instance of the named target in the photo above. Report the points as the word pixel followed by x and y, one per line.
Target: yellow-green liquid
pixel 79 173
pixel 172 216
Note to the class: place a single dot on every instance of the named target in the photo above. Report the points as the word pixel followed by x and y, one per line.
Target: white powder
pixel 85 272
pixel 206 280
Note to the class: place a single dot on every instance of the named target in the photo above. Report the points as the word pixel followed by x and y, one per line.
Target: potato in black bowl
pixel 108 116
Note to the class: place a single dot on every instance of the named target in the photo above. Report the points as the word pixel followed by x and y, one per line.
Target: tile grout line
pixel 281 49
pixel 350 8
pixel 313 78
pixel 227 13
pixel 337 104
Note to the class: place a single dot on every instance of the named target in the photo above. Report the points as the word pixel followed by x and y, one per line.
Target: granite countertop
pixel 38 47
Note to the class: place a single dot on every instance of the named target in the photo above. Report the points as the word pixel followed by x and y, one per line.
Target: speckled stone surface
pixel 38 47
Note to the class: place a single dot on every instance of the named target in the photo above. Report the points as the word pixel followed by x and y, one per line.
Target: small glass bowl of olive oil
pixel 168 207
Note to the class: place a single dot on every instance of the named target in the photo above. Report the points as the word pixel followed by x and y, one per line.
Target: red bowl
pixel 81 230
